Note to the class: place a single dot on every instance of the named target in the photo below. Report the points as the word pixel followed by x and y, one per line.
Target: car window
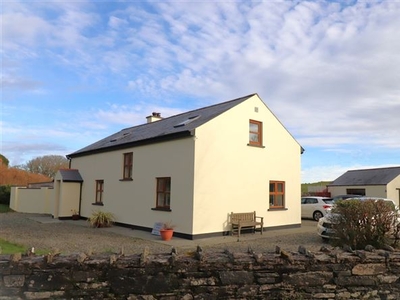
pixel 328 201
pixel 303 200
pixel 312 200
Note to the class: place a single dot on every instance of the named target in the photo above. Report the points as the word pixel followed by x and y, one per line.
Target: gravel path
pixel 68 238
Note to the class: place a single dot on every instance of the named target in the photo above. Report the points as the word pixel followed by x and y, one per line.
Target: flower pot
pixel 166 234
pixel 75 217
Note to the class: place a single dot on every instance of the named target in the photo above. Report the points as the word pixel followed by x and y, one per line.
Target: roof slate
pixel 380 176
pixel 163 129
pixel 70 175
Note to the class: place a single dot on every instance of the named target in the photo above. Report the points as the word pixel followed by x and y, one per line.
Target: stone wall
pixel 329 274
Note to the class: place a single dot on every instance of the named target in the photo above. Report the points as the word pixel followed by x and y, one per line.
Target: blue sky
pixel 74 72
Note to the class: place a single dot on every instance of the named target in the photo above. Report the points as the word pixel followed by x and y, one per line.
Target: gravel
pixel 68 238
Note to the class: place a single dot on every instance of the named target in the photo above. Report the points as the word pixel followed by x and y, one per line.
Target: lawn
pixel 4 208
pixel 10 248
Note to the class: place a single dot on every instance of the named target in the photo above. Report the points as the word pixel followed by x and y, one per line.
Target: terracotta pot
pixel 75 217
pixel 166 234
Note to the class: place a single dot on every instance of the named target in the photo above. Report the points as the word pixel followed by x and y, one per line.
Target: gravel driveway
pixel 69 237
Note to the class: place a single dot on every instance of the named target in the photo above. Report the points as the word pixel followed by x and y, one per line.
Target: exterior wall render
pixel 132 201
pixel 28 200
pixel 232 176
pixel 393 190
pixel 370 190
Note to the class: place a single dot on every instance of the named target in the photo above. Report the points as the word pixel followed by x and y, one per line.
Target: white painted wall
pixel 232 176
pixel 132 201
pixel 393 190
pixel 27 200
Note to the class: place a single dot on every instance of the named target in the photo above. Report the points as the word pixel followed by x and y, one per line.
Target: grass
pixel 5 208
pixel 11 248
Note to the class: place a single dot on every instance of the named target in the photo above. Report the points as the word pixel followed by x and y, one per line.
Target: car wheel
pixel 317 215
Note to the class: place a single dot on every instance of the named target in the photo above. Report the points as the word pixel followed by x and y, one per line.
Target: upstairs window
pixel 99 192
pixel 276 194
pixel 255 133
pixel 163 193
pixel 128 164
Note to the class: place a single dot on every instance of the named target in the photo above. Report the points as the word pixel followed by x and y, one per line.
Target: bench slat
pixel 249 219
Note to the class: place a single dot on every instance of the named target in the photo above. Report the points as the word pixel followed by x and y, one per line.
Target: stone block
pixel 14 280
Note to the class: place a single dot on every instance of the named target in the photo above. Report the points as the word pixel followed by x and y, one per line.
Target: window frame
pixel 99 192
pixel 259 133
pixel 163 189
pixel 127 168
pixel 275 193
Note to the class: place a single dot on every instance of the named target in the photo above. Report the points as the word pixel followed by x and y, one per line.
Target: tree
pixel 3 160
pixel 15 176
pixel 47 165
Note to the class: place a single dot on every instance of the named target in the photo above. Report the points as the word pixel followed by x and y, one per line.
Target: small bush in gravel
pixel 101 219
pixel 361 223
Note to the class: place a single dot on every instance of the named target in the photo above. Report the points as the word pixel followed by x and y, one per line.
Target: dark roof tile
pixel 168 128
pixel 380 176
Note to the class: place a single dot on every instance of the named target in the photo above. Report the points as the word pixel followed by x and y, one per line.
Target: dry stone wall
pixel 331 274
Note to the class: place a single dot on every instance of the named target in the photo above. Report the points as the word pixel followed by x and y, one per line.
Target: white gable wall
pixel 232 176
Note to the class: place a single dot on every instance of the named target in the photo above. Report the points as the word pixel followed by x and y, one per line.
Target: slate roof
pixel 70 175
pixel 380 176
pixel 166 129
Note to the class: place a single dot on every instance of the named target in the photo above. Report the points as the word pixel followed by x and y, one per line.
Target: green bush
pixel 5 191
pixel 101 219
pixel 361 223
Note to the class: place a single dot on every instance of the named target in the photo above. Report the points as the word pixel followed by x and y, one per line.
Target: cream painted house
pixel 379 182
pixel 194 169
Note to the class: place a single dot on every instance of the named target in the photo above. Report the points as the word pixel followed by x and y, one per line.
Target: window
pixel 255 133
pixel 163 193
pixel 356 192
pixel 128 163
pixel 99 191
pixel 276 194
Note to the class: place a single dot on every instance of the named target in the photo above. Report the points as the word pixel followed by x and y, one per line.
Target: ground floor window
pixel 99 191
pixel 163 193
pixel 360 192
pixel 276 194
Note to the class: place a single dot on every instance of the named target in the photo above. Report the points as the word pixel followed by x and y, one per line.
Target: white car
pixel 315 207
pixel 324 226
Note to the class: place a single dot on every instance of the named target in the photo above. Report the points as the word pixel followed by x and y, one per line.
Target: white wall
pixel 132 201
pixel 29 200
pixel 393 190
pixel 232 176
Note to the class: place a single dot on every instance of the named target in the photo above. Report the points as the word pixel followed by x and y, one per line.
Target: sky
pixel 74 72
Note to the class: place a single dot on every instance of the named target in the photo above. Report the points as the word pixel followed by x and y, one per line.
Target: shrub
pixel 361 223
pixel 101 219
pixel 5 191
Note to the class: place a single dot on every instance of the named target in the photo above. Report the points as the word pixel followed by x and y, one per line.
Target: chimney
pixel 155 116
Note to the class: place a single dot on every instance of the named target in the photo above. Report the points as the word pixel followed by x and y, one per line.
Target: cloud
pixel 328 70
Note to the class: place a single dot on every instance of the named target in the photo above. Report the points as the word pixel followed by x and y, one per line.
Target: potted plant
pixel 101 219
pixel 75 214
pixel 167 231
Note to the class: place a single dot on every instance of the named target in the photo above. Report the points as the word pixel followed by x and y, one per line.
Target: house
pixel 192 169
pixel 379 182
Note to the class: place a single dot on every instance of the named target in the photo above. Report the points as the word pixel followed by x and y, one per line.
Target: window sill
pixel 126 179
pixel 277 209
pixel 161 209
pixel 98 203
pixel 257 146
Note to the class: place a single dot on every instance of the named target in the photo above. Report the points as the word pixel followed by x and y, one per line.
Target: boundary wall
pixel 200 275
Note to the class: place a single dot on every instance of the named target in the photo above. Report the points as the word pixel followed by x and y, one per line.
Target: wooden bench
pixel 245 220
